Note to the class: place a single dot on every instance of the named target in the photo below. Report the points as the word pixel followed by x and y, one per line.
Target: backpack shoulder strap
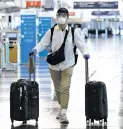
pixel 74 49
pixel 52 30
pixel 72 31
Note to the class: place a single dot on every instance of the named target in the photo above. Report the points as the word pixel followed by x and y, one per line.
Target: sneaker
pixel 63 119
pixel 59 115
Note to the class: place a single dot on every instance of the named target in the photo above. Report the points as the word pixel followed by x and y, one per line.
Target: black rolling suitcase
pixel 96 104
pixel 24 100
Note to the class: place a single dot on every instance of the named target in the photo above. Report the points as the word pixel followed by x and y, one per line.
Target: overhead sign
pixel 48 7
pixel 96 5
pixel 36 4
pixel 6 0
pixel 105 13
pixel 71 13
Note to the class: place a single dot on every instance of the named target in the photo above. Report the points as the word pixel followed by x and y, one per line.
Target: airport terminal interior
pixel 23 23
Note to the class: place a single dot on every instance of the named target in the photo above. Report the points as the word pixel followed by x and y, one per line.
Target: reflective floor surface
pixel 105 64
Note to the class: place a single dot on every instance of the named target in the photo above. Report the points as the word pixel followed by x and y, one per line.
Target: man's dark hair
pixel 63 10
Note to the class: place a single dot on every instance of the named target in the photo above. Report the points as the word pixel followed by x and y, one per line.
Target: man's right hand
pixel 33 52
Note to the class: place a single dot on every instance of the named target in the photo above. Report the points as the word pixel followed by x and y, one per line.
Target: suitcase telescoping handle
pixel 86 71
pixel 32 60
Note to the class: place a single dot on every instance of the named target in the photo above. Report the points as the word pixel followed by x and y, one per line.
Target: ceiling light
pixel 10 3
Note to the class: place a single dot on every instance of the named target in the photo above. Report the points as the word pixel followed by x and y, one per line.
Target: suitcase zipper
pixel 20 98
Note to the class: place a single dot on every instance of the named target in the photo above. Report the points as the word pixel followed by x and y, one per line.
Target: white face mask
pixel 61 20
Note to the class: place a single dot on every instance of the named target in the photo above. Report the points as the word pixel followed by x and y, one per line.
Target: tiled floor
pixel 106 64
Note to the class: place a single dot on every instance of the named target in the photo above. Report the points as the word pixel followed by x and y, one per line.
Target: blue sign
pixel 45 24
pixel 28 36
pixel 96 5
pixel 105 13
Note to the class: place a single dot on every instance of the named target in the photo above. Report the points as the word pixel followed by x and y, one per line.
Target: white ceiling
pixel 9 4
pixel 65 3
pixel 21 3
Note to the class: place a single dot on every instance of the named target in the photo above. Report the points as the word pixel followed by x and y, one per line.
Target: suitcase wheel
pixel 92 121
pixel 87 120
pixel 36 122
pixel 36 119
pixel 105 120
pixel 12 126
pixel 100 122
pixel 24 122
pixel 12 121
